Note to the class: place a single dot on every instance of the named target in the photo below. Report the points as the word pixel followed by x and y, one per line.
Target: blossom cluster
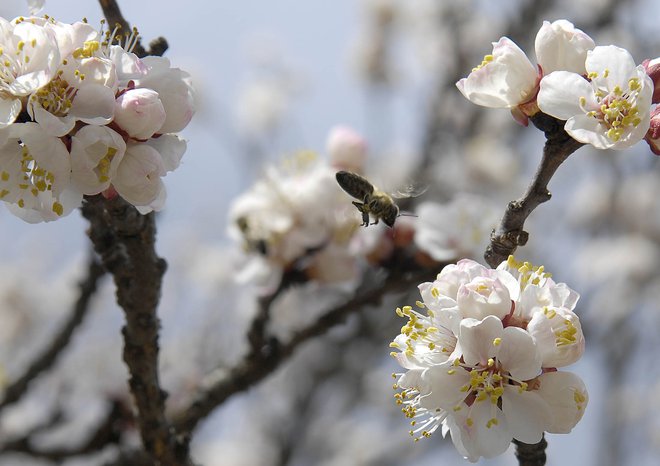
pixel 604 97
pixel 296 216
pixel 482 357
pixel 80 114
pixel 282 224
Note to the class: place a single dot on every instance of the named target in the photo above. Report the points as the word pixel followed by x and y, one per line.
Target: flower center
pixel 103 167
pixel 56 96
pixel 565 335
pixel 33 179
pixel 618 108
pixel 487 382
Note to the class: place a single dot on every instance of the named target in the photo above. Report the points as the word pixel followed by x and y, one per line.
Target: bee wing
pixel 410 190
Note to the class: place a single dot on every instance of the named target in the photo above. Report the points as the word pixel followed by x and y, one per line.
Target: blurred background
pixel 274 78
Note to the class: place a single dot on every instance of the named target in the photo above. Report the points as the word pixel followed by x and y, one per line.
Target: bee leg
pixel 376 222
pixel 365 215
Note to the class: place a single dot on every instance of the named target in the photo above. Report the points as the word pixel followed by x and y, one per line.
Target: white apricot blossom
pixel 504 79
pixel 561 46
pixel 29 58
pixel 96 152
pixel 610 109
pixel 507 78
pixel 35 174
pixel 481 363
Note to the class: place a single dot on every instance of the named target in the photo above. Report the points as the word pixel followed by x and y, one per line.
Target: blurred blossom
pixel 482 355
pixel 294 213
pixel 458 229
pixel 612 303
pixel 604 260
pixel 492 162
pixel 591 202
pixel 374 49
pixel 423 21
pixel 347 149
pixel 261 107
pixel 35 6
pixel 265 100
pixel 636 203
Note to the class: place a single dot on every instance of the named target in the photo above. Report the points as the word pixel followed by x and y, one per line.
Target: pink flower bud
pixel 652 68
pixel 653 134
pixel 347 149
pixel 139 112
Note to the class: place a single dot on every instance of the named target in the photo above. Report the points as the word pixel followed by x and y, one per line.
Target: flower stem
pixel 510 234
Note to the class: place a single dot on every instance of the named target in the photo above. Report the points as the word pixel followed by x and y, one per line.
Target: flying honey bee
pixel 374 201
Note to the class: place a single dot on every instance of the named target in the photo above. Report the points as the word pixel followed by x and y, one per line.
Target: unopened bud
pixel 347 149
pixel 139 112
pixel 652 68
pixel 653 134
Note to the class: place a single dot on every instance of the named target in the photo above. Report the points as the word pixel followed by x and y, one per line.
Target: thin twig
pixel 49 355
pixel 510 234
pixel 114 17
pixel 252 370
pixel 107 433
pixel 125 240
pixel 256 334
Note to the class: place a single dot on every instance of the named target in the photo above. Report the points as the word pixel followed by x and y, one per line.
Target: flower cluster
pixel 481 361
pixel 296 216
pixel 80 114
pixel 604 97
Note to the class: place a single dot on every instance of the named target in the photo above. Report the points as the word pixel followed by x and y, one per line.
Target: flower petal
pixel 560 93
pixel 528 415
pixel 567 397
pixel 478 339
pixel 518 354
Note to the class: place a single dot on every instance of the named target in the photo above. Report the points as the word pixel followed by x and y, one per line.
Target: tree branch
pixel 510 234
pixel 531 454
pixel 107 433
pixel 125 240
pixel 114 17
pixel 257 366
pixel 49 355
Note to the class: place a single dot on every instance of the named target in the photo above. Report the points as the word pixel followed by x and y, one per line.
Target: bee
pixel 374 201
